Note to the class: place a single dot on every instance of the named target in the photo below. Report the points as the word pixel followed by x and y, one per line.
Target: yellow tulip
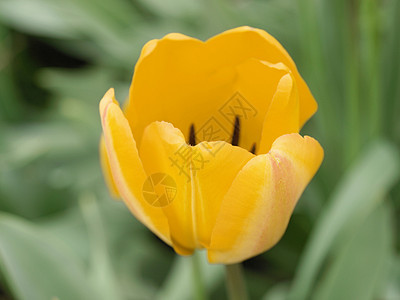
pixel 207 153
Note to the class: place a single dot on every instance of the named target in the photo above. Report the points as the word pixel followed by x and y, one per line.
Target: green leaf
pixel 116 248
pixel 101 271
pixel 277 292
pixel 86 84
pixel 391 287
pixel 361 262
pixel 174 8
pixel 390 80
pixel 179 285
pixel 37 267
pixel 37 17
pixel 369 179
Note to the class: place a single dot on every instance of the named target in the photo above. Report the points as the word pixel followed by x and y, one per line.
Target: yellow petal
pixel 212 180
pixel 126 167
pixel 283 113
pixel 160 141
pixel 257 82
pixel 171 77
pixel 247 96
pixel 256 210
pixel 202 175
pixel 105 166
pixel 243 42
pixel 186 81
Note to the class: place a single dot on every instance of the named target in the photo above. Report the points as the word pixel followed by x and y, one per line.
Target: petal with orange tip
pixel 256 210
pixel 126 167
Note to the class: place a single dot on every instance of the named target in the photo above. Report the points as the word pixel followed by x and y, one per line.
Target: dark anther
pixel 192 136
pixel 236 132
pixel 253 148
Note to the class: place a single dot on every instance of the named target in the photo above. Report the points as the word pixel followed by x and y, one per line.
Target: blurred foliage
pixel 62 237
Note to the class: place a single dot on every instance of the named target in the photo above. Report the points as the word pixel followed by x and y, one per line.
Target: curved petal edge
pixel 126 167
pixel 256 210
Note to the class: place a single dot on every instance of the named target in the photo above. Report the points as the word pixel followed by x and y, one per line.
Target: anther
pixel 192 136
pixel 236 132
pixel 253 148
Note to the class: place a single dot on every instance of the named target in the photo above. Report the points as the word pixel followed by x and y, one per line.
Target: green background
pixel 62 237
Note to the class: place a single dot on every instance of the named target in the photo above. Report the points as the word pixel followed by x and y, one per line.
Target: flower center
pixel 234 139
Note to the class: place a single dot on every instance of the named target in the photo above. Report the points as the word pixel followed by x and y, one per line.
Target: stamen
pixel 192 136
pixel 253 148
pixel 236 131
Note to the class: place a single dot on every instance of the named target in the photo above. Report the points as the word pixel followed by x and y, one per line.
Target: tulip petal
pixel 174 78
pixel 126 167
pixel 256 210
pixel 257 82
pixel 159 143
pixel 252 42
pixel 202 173
pixel 212 180
pixel 179 76
pixel 283 113
pixel 105 166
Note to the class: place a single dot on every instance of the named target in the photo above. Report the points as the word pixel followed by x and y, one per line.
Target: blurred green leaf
pixel 101 271
pixel 10 106
pixel 390 80
pixel 278 292
pixel 38 267
pixel 370 178
pixel 360 264
pixel 47 159
pixel 70 225
pixel 391 287
pixel 174 8
pixel 102 30
pixel 115 247
pixel 179 285
pixel 86 84
pixel 28 143
pixel 38 17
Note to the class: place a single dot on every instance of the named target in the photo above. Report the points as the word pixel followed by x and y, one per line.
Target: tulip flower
pixel 207 153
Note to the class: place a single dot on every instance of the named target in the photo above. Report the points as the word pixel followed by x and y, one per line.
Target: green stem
pixel 198 283
pixel 352 63
pixel 370 53
pixel 235 283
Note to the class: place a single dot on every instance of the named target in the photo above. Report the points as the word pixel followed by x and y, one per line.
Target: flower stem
pixel 198 283
pixel 235 283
